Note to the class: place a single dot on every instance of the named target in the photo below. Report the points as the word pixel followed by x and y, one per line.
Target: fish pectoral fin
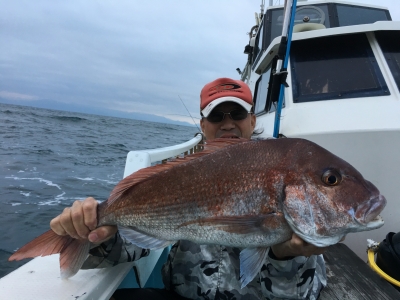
pixel 251 261
pixel 240 224
pixel 142 240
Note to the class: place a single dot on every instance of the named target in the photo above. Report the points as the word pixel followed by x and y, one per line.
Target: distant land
pixel 94 111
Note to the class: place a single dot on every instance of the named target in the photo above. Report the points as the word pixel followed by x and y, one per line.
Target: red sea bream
pixel 239 193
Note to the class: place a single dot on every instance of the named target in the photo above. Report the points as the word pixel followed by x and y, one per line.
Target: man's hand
pixel 296 247
pixel 80 220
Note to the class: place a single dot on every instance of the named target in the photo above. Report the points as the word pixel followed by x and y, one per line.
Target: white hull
pixel 365 131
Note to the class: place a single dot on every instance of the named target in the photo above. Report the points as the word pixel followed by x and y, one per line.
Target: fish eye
pixel 331 177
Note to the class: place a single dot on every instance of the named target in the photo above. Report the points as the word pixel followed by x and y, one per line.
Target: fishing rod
pixel 279 77
pixel 189 113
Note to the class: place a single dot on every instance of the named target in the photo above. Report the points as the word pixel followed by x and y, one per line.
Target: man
pixel 293 269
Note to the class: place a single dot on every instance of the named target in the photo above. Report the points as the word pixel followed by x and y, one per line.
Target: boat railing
pixel 137 160
pixel 40 277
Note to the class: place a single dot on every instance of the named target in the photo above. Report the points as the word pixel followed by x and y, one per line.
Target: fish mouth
pixel 367 213
pixel 375 223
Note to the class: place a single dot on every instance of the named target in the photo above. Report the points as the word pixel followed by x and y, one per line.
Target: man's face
pixel 228 127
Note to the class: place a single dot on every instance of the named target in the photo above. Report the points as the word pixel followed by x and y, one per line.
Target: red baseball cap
pixel 224 90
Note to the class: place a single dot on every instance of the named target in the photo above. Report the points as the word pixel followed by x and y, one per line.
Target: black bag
pixel 388 256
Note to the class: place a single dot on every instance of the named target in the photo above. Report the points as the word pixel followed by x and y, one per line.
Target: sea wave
pixel 45 181
pixel 68 118
pixel 57 200
pixel 85 179
pixel 107 181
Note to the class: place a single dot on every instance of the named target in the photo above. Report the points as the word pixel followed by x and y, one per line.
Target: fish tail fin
pixel 73 252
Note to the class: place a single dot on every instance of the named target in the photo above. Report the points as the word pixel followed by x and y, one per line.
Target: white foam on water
pixel 85 179
pixel 47 182
pixel 101 180
pixel 60 197
pixel 15 204
pixel 108 181
pixel 49 202
pixel 57 199
pixel 25 194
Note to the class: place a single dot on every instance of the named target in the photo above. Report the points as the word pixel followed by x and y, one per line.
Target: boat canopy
pixel 325 14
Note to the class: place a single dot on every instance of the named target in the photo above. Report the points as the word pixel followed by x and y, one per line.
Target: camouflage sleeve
pixel 299 277
pixel 112 252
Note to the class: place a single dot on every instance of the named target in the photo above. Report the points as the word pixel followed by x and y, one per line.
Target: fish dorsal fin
pixel 146 173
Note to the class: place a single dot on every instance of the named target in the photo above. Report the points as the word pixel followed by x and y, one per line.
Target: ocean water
pixel 49 159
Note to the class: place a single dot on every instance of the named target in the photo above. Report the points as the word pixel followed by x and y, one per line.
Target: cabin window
pixel 355 15
pixel 329 14
pixel 335 67
pixel 259 42
pixel 260 97
pixel 311 14
pixel 391 51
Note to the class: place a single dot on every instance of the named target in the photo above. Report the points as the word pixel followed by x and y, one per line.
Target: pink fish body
pixel 238 193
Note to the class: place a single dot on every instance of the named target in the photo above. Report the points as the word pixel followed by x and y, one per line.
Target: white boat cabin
pixel 343 90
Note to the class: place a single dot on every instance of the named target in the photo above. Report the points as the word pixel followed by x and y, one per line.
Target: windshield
pixel 335 67
pixel 391 51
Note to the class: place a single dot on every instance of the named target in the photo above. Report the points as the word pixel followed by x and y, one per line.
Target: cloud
pixel 127 55
pixel 142 53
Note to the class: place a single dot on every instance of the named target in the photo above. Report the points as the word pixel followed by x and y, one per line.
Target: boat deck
pixel 349 277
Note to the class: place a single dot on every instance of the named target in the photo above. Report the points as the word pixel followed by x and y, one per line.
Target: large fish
pixel 238 193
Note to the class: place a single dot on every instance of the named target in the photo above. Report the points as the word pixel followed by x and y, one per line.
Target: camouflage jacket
pixel 212 272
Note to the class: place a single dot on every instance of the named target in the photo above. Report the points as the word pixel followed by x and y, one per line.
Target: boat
pixel 343 93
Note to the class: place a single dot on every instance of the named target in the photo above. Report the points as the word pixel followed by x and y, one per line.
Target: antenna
pixel 189 113
pixel 261 13
pixel 262 6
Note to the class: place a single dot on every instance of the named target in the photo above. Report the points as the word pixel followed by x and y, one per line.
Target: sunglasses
pixel 219 116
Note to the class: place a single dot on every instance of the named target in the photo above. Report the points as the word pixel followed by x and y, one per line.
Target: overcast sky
pixel 133 56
